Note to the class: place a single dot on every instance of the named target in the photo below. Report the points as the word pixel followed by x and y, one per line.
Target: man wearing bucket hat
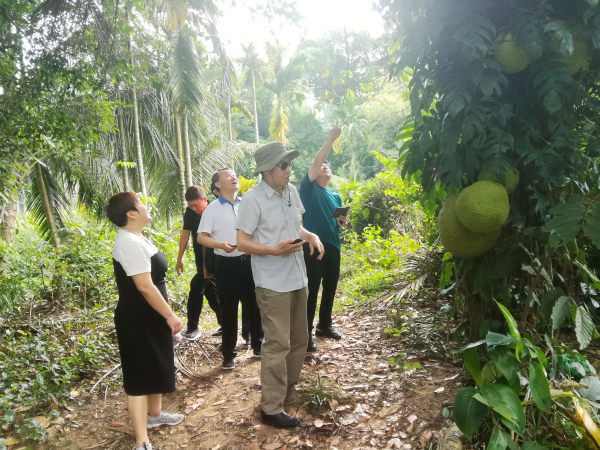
pixel 269 229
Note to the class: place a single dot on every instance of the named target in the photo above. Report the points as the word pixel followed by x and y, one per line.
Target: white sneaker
pixel 164 418
pixel 192 335
pixel 145 446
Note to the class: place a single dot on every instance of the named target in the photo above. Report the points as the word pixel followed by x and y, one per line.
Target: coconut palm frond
pixel 59 203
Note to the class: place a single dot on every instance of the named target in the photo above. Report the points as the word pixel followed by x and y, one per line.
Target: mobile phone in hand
pixel 297 241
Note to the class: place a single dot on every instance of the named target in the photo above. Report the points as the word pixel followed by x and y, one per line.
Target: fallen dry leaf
pixel 410 428
pixel 11 441
pixel 333 404
pixel 362 419
pixel 54 406
pixel 220 402
pixel 301 414
pixel 253 446
pixel 412 418
pixel 74 393
pixel 117 424
pixel 210 414
pixel 292 411
pixel 335 440
pixel 43 421
pixel 308 443
pixel 394 443
pixel 293 439
pixel 426 437
pixel 389 410
pixel 273 446
pixel 318 423
pixel 439 390
pixel 189 425
pixel 259 427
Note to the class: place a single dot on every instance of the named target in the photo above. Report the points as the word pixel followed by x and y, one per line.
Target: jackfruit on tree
pixel 457 239
pixel 577 60
pixel 509 56
pixel 483 207
pixel 510 182
pixel 490 372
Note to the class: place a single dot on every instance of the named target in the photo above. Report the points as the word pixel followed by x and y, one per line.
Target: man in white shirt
pixel 233 270
pixel 269 228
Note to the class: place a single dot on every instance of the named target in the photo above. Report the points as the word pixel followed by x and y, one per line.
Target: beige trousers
pixel 283 317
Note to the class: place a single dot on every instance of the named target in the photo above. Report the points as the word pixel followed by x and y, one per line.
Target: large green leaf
pixel 472 364
pixel 468 412
pixel 507 404
pixel 512 323
pixel 540 389
pixel 505 360
pixel 499 339
pixel 498 440
pixel 561 311
pixel 548 301
pixel 584 327
pixel 531 445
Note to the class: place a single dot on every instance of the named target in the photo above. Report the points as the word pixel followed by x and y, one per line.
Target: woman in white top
pixel 144 320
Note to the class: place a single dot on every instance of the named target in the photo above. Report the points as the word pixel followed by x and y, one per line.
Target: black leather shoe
pixel 328 332
pixel 228 363
pixel 312 346
pixel 281 420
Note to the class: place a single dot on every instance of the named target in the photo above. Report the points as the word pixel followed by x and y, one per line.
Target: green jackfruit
pixel 511 179
pixel 459 240
pixel 509 56
pixel 483 207
pixel 578 59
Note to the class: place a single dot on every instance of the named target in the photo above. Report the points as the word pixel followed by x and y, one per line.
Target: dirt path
pixel 375 406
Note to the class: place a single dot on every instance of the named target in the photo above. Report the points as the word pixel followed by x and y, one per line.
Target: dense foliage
pixel 499 86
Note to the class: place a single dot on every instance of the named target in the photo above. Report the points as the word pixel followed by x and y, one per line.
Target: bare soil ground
pixel 367 403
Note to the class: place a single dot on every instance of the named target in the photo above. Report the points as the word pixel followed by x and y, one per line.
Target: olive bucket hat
pixel 270 154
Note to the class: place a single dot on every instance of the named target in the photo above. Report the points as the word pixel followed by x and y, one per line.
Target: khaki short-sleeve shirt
pixel 270 219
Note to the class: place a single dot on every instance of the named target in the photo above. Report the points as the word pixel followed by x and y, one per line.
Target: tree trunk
pixel 181 161
pixel 8 221
pixel 229 114
pixel 255 112
pixel 46 203
pixel 123 140
pixel 186 148
pixel 138 146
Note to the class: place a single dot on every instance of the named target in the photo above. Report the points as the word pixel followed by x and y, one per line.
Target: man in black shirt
pixel 203 282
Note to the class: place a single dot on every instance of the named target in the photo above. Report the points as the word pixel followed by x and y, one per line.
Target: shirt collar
pixel 269 190
pixel 223 200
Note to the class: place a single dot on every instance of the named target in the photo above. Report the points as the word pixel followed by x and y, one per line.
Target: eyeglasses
pixel 284 165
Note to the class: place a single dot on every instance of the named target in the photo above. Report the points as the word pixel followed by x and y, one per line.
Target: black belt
pixel 234 258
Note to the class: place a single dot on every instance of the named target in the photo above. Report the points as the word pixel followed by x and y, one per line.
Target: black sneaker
pixel 228 363
pixel 218 333
pixel 281 420
pixel 312 346
pixel 328 332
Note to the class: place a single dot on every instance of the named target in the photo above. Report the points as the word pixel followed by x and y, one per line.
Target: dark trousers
pixel 234 284
pixel 201 287
pixel 326 270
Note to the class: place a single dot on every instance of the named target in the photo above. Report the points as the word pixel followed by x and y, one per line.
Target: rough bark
pixel 8 219
pixel 255 112
pixel 186 148
pixel 123 142
pixel 230 128
pixel 46 204
pixel 138 146
pixel 181 161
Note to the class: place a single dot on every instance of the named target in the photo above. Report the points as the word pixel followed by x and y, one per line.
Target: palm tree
pixel 255 70
pixel 287 86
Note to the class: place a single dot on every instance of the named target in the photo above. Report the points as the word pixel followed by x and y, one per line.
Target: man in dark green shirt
pixel 320 202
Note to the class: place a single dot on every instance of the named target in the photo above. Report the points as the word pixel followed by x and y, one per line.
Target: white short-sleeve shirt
pixel 133 253
pixel 270 218
pixel 218 220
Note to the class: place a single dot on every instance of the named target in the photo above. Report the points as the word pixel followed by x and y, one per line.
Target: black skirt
pixel 145 341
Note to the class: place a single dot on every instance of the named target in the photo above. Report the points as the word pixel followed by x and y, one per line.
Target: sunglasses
pixel 284 165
